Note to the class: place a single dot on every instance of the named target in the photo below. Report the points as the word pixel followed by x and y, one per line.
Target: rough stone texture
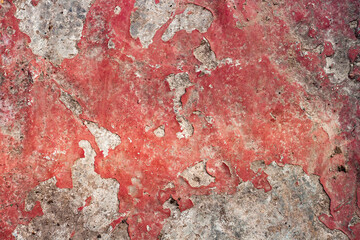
pixel 105 139
pixel 71 103
pixel 149 17
pixel 206 56
pixel 54 27
pixel 187 129
pixel 193 18
pixel 160 131
pixel 197 175
pixel 83 212
pixel 289 211
pixel 178 83
pixel 204 97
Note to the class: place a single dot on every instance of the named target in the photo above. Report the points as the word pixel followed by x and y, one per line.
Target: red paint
pixel 328 49
pixel 35 2
pixel 87 203
pixel 256 102
pixel 354 53
pixel 312 32
pixel 355 73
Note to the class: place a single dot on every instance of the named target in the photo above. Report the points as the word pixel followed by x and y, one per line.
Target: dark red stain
pixel 256 103
pixel 354 53
pixel 35 2
pixel 328 49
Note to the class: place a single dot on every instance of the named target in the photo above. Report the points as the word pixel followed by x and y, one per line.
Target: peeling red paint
pixel 354 53
pixel 255 102
pixel 87 203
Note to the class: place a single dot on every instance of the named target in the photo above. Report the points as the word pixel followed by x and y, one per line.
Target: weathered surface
pixel 148 19
pixel 193 18
pixel 83 212
pixel 289 211
pixel 54 27
pixel 105 139
pixel 160 131
pixel 197 175
pixel 182 103
pixel 178 83
pixel 206 56
pixel 71 103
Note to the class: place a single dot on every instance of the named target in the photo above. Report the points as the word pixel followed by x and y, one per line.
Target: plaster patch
pixel 178 83
pixel 169 185
pixel 337 67
pixel 160 131
pixel 64 210
pixel 117 10
pixel 197 176
pixel 194 17
pixel 187 129
pixel 206 56
pixel 173 206
pixel 209 119
pixel 289 211
pixel 54 27
pixel 104 138
pixel 111 44
pixel 71 103
pixel 148 19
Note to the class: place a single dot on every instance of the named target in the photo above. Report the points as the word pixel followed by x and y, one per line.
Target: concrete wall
pixel 175 119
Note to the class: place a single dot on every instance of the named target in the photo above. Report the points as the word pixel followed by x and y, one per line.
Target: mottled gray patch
pixel 205 55
pixel 194 17
pixel 105 139
pixel 160 131
pixel 148 19
pixel 111 44
pixel 197 176
pixel 65 210
pixel 71 103
pixel 337 67
pixel 187 129
pixel 54 27
pixel 178 84
pixel 120 232
pixel 289 211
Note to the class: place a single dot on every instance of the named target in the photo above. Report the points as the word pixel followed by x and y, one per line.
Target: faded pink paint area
pixel 257 102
